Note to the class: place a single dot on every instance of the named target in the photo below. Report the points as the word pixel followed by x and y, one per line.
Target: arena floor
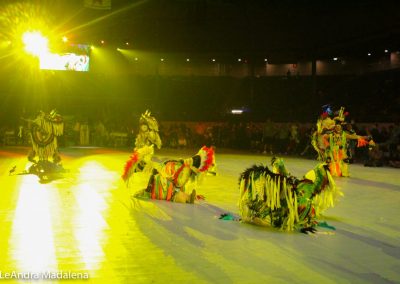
pixel 88 222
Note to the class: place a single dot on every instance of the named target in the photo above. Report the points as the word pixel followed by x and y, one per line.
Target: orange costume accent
pixel 173 178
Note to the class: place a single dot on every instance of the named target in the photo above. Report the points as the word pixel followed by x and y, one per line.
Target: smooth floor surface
pixel 87 222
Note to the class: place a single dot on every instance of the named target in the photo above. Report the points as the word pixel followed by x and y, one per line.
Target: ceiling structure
pixel 279 30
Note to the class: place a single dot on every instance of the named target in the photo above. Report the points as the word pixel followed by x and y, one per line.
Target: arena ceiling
pixel 281 30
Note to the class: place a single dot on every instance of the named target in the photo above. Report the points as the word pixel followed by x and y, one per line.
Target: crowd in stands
pixel 105 113
pixel 269 138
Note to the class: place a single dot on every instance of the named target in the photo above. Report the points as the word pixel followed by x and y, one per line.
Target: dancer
pixel 277 199
pixel 337 152
pixel 148 132
pixel 325 124
pixel 44 155
pixel 330 141
pixel 147 138
pixel 173 179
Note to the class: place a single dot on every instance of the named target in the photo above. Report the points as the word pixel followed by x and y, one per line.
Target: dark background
pixel 282 31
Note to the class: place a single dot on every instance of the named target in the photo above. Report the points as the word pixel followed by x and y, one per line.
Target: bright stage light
pixel 64 39
pixel 35 43
pixel 236 111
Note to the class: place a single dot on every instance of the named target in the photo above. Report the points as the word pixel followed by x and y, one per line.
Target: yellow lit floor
pixel 87 222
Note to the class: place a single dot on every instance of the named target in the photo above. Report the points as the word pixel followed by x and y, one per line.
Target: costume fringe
pixel 259 185
pixel 328 197
pixel 46 148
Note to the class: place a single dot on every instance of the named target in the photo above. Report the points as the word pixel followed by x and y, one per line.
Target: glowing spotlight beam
pixel 133 5
pixel 35 43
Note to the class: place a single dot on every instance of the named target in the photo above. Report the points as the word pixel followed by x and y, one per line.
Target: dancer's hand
pixel 200 197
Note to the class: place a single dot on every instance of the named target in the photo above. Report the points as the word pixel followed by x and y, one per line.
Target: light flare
pixel 35 43
pixel 32 231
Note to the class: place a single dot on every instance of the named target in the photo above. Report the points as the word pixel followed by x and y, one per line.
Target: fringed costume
pixel 274 198
pixel 174 178
pixel 44 130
